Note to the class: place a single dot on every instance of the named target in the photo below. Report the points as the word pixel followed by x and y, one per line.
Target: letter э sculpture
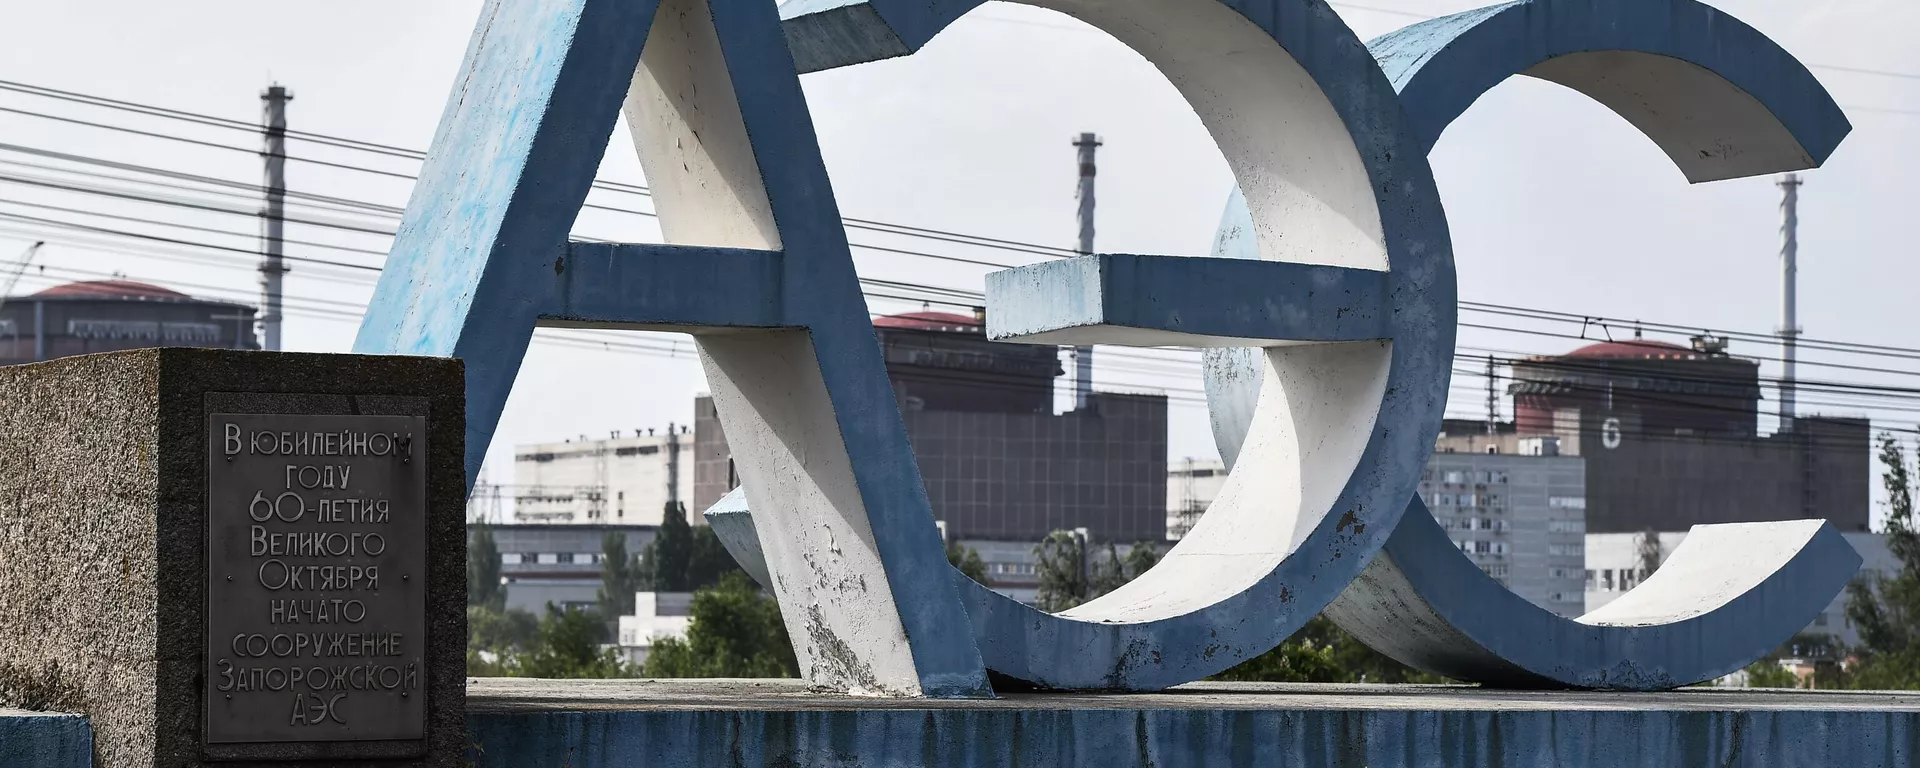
pixel 1328 310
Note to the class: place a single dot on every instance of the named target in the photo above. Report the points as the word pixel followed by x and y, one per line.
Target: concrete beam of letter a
pixel 756 267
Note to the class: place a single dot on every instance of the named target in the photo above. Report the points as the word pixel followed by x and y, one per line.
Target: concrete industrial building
pixel 621 480
pixel 1192 484
pixel 1520 518
pixel 999 464
pixel 656 616
pixel 107 315
pixel 1670 439
pixel 1616 562
pixel 556 564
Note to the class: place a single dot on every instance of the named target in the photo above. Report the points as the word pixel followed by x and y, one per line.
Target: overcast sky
pixel 1553 201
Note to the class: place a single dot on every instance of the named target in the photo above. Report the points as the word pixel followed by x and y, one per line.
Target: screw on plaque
pixel 229 578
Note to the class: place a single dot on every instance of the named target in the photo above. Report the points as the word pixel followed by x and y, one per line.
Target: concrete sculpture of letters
pixel 1723 102
pixel 1351 309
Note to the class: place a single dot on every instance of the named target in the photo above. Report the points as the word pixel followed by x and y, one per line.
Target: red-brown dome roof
pixel 930 321
pixel 1637 349
pixel 113 289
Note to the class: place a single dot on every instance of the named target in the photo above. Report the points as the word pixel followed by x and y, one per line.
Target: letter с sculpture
pixel 1328 313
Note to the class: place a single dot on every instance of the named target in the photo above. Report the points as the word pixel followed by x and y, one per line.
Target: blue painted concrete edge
pixel 45 740
pixel 1174 738
pixel 1231 298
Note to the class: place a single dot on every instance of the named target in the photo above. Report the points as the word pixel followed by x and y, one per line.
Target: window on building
pixel 565 557
pixel 548 558
pixel 1456 477
pixel 510 558
pixel 1590 578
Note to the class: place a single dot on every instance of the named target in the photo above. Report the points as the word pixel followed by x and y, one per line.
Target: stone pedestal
pixel 237 558
pixel 777 723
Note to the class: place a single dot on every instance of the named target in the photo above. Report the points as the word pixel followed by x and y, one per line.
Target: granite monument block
pixel 237 558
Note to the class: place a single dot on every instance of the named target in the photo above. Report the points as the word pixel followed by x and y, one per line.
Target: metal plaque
pixel 316 569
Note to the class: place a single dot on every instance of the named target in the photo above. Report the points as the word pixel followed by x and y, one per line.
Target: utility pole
pixel 1493 402
pixel 1789 280
pixel 273 268
pixel 1083 356
pixel 673 463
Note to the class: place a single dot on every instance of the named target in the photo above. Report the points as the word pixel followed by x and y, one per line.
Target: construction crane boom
pixel 6 288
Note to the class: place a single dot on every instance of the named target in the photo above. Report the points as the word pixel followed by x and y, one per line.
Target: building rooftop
pixel 932 321
pixel 1637 349
pixel 113 289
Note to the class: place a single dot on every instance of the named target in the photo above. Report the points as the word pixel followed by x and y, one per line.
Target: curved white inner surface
pixel 1712 566
pixel 1311 198
pixel 1310 426
pixel 1312 202
pixel 1711 128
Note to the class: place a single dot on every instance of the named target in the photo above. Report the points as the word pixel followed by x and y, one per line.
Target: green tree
pixel 1321 652
pixel 671 550
pixel 1106 573
pixel 483 570
pixel 734 632
pixel 1647 551
pixel 569 647
pixel 1060 564
pixel 1070 575
pixel 1307 657
pixel 1885 608
pixel 1767 673
pixel 1142 556
pixel 968 561
pixel 619 577
pixel 496 639
pixel 710 561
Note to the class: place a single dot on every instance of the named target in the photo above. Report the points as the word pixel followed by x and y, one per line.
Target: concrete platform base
pixel 601 724
pixel 44 740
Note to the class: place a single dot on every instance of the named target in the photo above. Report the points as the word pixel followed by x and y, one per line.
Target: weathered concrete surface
pixel 44 740
pixel 1724 102
pixel 1355 303
pixel 755 264
pixel 590 724
pixel 103 487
